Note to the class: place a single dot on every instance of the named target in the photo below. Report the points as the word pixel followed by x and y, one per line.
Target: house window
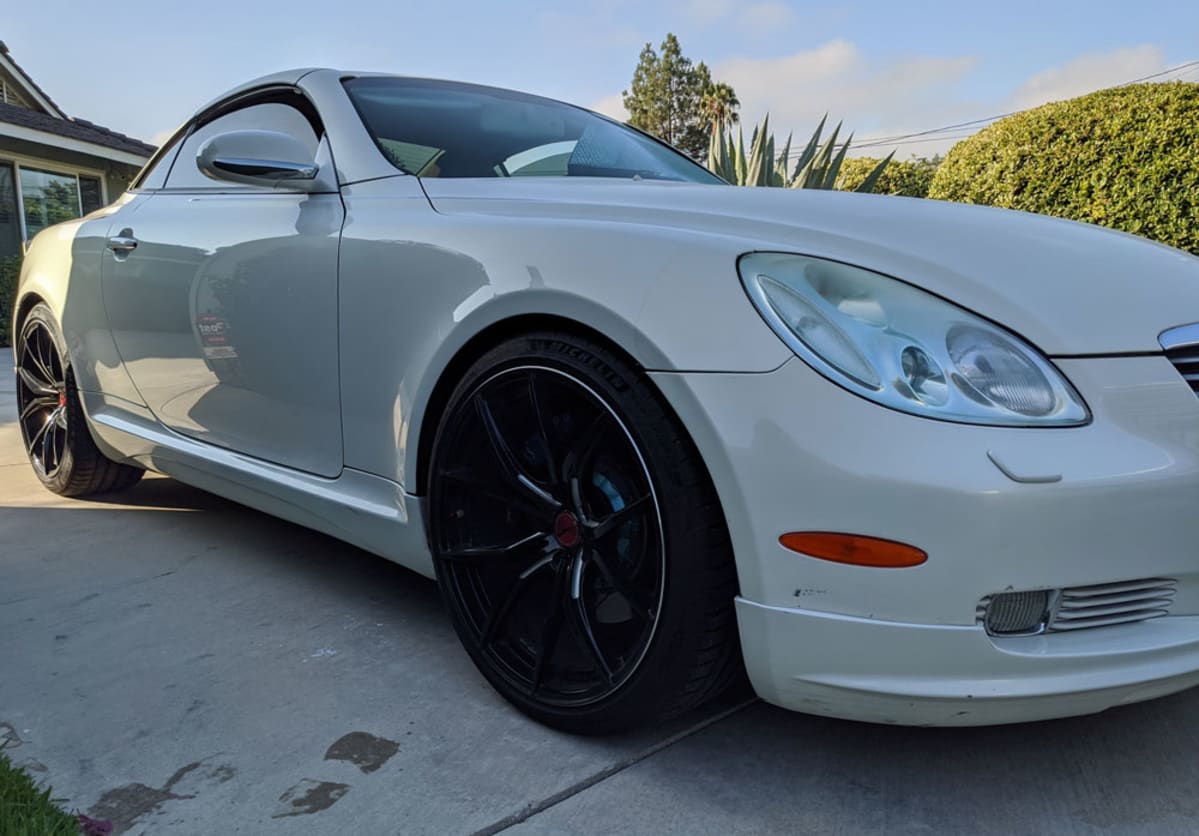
pixel 47 198
pixel 10 223
pixel 90 194
pixel 33 197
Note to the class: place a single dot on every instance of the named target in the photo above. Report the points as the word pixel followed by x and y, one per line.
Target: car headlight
pixel 904 347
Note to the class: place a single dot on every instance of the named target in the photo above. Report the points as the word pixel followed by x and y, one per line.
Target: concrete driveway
pixel 179 664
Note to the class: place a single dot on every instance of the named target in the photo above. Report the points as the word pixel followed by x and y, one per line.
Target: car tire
pixel 578 541
pixel 53 426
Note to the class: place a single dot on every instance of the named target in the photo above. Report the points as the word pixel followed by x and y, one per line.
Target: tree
pixel 719 106
pixel 676 100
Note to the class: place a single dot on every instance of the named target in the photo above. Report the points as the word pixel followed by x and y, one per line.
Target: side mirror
pixel 259 158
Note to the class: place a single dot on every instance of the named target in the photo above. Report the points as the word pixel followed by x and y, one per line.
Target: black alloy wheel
pixel 551 542
pixel 42 398
pixel 57 439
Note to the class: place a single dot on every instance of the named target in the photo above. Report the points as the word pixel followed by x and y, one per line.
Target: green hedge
pixel 910 178
pixel 1127 158
pixel 10 268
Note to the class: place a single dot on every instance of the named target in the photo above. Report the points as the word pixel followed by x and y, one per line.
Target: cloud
pixel 611 106
pixel 1087 73
pixel 838 79
pixel 765 18
pixel 762 18
pixel 707 11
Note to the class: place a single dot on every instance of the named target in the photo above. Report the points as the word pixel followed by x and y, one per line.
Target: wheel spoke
pixel 38 387
pixel 587 444
pixel 631 596
pixel 508 462
pixel 499 614
pixel 535 402
pixel 535 509
pixel 582 623
pixel 36 404
pixel 37 436
pixel 42 365
pixel 44 439
pixel 611 523
pixel 550 631
pixel 492 553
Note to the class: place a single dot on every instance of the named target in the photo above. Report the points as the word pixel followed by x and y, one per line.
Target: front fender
pixel 416 287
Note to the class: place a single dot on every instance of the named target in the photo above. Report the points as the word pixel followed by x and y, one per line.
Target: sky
pixel 885 68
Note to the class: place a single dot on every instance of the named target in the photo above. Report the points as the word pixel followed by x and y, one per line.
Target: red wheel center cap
pixel 566 529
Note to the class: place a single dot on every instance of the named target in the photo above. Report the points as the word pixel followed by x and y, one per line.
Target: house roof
pixel 58 123
pixel 28 80
pixel 79 129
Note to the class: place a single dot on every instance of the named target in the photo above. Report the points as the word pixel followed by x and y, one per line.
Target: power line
pixel 937 134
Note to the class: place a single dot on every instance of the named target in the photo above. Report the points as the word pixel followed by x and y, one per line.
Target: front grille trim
pixel 1095 605
pixel 1180 337
pixel 1185 359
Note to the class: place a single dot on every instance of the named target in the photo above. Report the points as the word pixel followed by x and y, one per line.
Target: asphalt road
pixel 178 664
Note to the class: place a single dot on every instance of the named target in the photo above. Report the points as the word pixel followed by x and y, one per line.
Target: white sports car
pixel 912 462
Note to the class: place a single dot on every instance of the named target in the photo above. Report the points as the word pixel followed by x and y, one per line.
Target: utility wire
pixel 938 134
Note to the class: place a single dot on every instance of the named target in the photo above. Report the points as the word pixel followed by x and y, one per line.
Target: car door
pixel 222 299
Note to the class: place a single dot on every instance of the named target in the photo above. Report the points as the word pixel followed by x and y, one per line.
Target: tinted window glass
pixel 446 129
pixel 185 174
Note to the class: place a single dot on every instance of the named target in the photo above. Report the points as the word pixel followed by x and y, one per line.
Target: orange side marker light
pixel 854 549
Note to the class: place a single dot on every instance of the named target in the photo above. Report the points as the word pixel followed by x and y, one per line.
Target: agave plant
pixel 816 167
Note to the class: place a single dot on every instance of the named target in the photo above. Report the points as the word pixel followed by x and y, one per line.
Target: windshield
pixel 447 129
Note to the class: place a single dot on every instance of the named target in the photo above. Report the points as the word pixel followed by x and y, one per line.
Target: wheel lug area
pixel 567 529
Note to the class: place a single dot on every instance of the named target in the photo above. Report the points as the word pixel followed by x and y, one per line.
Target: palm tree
pixel 719 106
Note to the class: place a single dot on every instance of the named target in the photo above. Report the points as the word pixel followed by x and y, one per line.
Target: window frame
pixel 19 161
pixel 285 94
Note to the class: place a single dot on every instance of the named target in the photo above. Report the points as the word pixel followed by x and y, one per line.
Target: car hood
pixel 1070 288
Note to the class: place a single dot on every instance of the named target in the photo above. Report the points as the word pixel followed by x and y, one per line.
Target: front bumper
pixel 996 509
pixel 919 674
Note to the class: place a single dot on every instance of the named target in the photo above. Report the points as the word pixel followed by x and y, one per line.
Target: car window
pixel 154 174
pixel 269 116
pixel 446 129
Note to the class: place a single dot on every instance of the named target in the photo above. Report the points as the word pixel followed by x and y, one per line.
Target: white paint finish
pixel 1067 287
pixel 790 451
pixel 431 282
pixel 226 319
pixel 372 513
pixel 919 674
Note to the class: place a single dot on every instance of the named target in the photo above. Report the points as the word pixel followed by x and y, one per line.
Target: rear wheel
pixel 59 444
pixel 578 541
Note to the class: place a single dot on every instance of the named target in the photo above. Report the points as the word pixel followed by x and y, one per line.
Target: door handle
pixel 122 244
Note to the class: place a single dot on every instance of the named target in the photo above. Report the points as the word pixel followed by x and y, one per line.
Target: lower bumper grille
pixel 1076 608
